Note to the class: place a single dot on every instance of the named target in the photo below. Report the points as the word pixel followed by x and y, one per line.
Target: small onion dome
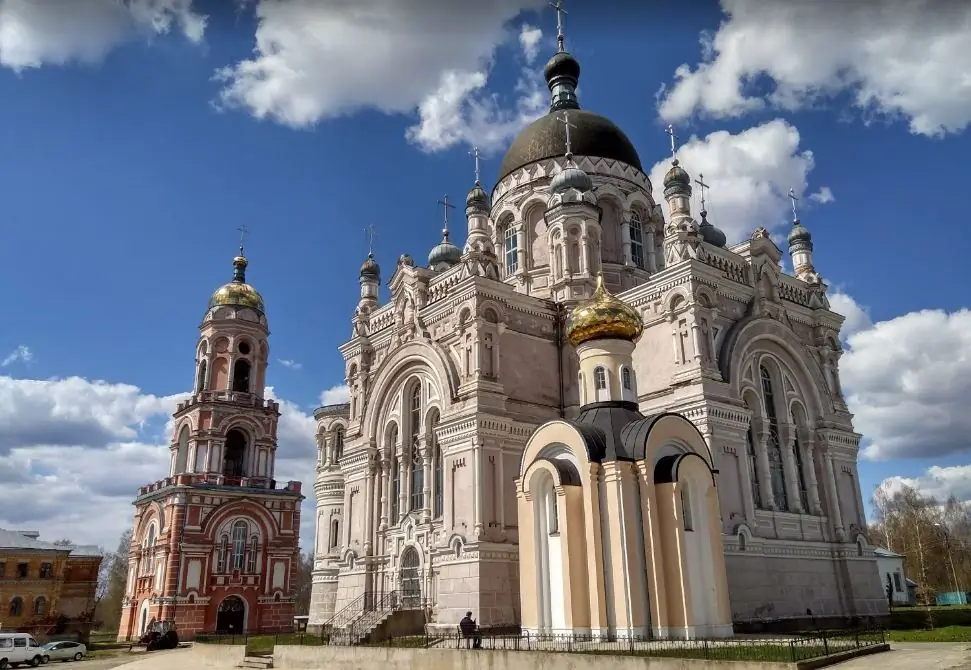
pixel 676 176
pixel 710 233
pixel 405 259
pixel 237 293
pixel 571 177
pixel 477 199
pixel 444 253
pixel 562 64
pixel 799 235
pixel 603 316
pixel 370 269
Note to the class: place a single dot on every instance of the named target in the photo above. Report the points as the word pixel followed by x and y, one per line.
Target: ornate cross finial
pixel 565 120
pixel 793 198
pixel 670 131
pixel 475 153
pixel 447 205
pixel 371 234
pixel 704 187
pixel 242 237
pixel 560 13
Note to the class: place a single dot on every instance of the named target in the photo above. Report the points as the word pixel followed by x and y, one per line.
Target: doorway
pixel 231 617
pixel 410 579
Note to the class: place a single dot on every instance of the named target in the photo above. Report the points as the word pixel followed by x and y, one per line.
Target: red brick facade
pixel 215 545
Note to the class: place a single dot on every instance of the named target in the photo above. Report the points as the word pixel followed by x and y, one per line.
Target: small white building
pixel 891 568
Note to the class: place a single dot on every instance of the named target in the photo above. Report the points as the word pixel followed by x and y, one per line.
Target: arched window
pixel 636 239
pixel 201 382
pixel 338 443
pixel 416 462
pixel 234 454
pixel 240 531
pixel 395 475
pixel 774 448
pixel 754 470
pixel 251 554
pixel 182 451
pixel 600 379
pixel 335 529
pixel 16 606
pixel 800 473
pixel 40 606
pixel 438 505
pixel 511 247
pixel 553 522
pixel 223 555
pixel 149 562
pixel 689 524
pixel 241 374
pixel 628 379
pixel 580 389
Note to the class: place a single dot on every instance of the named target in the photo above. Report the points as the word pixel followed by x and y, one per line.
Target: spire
pixel 801 247
pixel 370 270
pixel 709 233
pixel 476 200
pixel 571 176
pixel 445 254
pixel 676 181
pixel 446 206
pixel 562 72
pixel 240 262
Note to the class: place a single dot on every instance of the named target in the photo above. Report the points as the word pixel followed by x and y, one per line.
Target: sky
pixel 138 136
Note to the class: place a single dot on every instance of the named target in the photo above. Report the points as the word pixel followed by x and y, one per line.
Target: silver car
pixel 63 651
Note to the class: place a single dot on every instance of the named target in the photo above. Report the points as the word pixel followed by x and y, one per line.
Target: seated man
pixel 469 631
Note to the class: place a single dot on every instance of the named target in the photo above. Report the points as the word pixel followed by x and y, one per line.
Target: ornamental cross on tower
pixel 371 233
pixel 447 206
pixel 242 237
pixel 793 198
pixel 704 187
pixel 475 153
pixel 560 13
pixel 674 149
pixel 565 119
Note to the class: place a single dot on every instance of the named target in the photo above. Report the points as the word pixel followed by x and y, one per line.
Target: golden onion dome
pixel 237 293
pixel 603 316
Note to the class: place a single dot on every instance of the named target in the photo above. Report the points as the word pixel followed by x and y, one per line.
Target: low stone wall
pixel 214 655
pixel 354 658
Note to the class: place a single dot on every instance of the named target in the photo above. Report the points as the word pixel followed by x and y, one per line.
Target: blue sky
pixel 129 156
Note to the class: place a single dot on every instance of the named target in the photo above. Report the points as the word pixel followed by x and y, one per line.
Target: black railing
pixel 378 607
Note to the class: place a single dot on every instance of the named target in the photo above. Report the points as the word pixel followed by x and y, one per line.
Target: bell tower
pixel 215 545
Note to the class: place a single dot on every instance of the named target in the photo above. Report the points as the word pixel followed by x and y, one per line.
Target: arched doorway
pixel 231 617
pixel 143 618
pixel 410 578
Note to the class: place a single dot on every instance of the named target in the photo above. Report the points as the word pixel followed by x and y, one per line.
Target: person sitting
pixel 470 633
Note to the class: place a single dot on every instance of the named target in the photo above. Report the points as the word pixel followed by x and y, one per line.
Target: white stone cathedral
pixel 468 397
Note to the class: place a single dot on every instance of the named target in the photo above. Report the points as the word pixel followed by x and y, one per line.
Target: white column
pixel 650 252
pixel 584 255
pixel 625 238
pixel 477 530
pixel 834 500
pixel 789 467
pixel 385 488
pixel 521 243
pixel 426 493
pixel 368 502
pixel 765 477
pixel 748 497
pixel 810 464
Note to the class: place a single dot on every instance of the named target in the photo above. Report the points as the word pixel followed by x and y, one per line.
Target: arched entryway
pixel 143 617
pixel 234 455
pixel 231 617
pixel 410 578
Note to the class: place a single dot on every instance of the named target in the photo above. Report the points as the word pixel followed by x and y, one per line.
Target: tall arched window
pixel 149 561
pixel 395 476
pixel 511 247
pixel 800 474
pixel 774 448
pixel 241 376
pixel 16 606
pixel 334 534
pixel 636 239
pixel 251 554
pixel 553 522
pixel 40 606
pixel 338 443
pixel 416 462
pixel 223 555
pixel 240 531
pixel 754 470
pixel 438 503
pixel 689 524
pixel 201 382
pixel 600 379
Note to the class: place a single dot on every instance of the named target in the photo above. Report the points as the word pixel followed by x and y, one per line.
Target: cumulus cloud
pixel 289 363
pixel 937 481
pixel 34 33
pixel 857 318
pixel 22 354
pixel 907 382
pixel 529 39
pixel 823 196
pixel 335 395
pixel 907 59
pixel 749 173
pixel 319 59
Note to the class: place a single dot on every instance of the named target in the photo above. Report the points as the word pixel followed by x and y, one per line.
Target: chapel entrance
pixel 410 579
pixel 231 616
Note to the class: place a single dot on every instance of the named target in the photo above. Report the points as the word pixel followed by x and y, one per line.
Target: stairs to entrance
pixel 375 617
pixel 257 662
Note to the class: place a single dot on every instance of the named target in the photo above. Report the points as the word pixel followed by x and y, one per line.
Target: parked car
pixel 64 651
pixel 17 648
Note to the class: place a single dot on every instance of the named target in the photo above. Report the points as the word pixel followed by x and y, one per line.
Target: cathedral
pixel 215 545
pixel 592 417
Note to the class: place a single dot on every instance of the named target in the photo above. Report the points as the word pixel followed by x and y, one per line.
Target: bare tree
pixel 115 578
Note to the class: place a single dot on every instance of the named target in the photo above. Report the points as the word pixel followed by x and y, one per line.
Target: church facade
pixel 470 401
pixel 215 544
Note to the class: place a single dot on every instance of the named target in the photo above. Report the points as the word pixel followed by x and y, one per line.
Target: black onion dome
pixel 562 64
pixel 594 136
pixel 477 198
pixel 799 234
pixel 710 233
pixel 676 175
pixel 370 268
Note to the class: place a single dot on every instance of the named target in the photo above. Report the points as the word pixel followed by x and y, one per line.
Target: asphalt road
pixel 915 656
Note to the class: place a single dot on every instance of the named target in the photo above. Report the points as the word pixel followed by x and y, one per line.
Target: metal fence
pixel 780 649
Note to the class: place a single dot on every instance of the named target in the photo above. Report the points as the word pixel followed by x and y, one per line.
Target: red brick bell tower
pixel 215 545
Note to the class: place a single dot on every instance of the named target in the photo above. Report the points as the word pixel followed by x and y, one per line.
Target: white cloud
pixel 21 354
pixel 34 33
pixel 529 39
pixel 908 381
pixel 319 59
pixel 289 363
pixel 823 196
pixel 909 59
pixel 749 173
pixel 335 395
pixel 856 316
pixel 937 481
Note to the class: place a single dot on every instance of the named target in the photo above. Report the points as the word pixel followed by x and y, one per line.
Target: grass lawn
pixel 945 634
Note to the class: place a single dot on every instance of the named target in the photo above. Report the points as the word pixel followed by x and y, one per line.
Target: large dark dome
pixel 593 136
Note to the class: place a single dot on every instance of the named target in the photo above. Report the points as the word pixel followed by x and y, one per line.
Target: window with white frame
pixel 511 248
pixel 636 239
